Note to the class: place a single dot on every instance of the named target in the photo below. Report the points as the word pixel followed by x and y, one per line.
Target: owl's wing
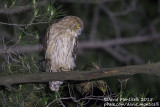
pixel 45 44
pixel 74 52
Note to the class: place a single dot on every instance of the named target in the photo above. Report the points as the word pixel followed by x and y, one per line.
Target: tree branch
pixel 13 10
pixel 81 75
pixel 119 41
pixel 19 9
pixel 84 44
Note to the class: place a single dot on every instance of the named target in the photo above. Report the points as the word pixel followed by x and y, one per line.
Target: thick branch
pixel 81 75
pixel 85 44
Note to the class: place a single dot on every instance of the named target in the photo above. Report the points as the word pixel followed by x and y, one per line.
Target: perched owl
pixel 61 45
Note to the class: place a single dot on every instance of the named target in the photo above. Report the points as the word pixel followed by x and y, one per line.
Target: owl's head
pixel 74 24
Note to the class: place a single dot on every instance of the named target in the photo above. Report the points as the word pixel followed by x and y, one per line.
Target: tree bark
pixel 153 69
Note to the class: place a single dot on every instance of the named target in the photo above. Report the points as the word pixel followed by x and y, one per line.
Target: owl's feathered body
pixel 61 46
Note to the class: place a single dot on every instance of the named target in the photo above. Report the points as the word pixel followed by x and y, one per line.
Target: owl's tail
pixel 54 85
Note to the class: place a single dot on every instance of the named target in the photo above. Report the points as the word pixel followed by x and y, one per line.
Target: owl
pixel 61 46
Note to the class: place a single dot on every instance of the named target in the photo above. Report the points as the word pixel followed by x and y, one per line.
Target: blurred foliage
pixel 29 27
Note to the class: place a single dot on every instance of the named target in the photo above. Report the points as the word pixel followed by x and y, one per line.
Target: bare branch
pixel 81 75
pixel 119 41
pixel 22 49
pixel 19 9
pixel 123 55
pixel 13 10
pixel 113 20
pixel 116 55
pixel 22 25
pixel 129 9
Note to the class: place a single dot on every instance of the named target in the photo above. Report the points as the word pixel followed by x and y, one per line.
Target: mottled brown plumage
pixel 61 46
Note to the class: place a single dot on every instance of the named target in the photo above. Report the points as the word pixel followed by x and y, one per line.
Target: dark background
pixel 128 31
